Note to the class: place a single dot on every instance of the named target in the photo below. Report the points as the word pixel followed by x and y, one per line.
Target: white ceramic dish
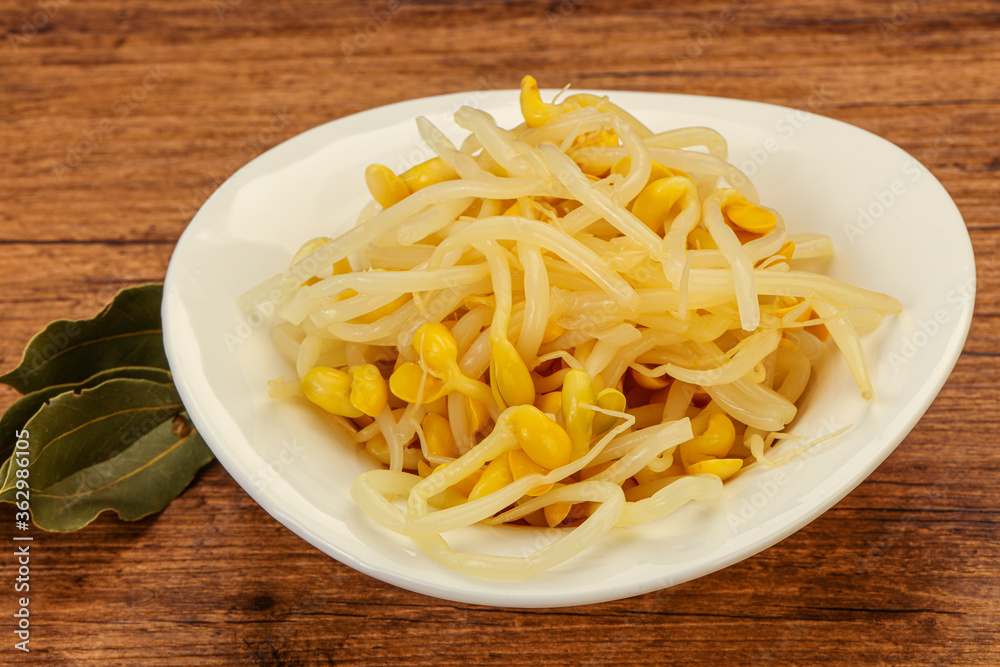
pixel 896 231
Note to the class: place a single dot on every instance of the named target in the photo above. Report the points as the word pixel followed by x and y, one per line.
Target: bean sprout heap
pixel 574 323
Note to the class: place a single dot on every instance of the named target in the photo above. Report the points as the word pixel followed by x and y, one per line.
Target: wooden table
pixel 120 118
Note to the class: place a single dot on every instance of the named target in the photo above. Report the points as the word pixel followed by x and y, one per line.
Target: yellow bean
pixel 509 374
pixel 437 433
pixel 330 389
pixel 438 407
pixel 405 382
pixel 746 216
pixel 578 389
pixel 654 203
pixel 700 239
pixel 427 173
pixel 521 464
pixel 721 468
pixel 496 475
pixel 465 485
pixel 437 348
pixel 542 439
pixel 438 352
pixel 369 393
pixel 549 403
pixel 479 414
pixel 715 442
pixel 556 513
pixel 339 268
pixel 386 187
pixel 609 399
pixel 536 112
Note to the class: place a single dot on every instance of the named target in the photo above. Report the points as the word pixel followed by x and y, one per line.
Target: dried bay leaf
pixel 127 332
pixel 103 422
pixel 109 447
pixel 136 482
pixel 18 414
pixel 74 431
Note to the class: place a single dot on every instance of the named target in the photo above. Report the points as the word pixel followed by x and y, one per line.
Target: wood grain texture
pixel 119 119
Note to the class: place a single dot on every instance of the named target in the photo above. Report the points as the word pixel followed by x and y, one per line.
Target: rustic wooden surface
pixel 118 119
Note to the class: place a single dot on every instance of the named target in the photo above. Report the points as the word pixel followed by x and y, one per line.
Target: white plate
pixel 895 228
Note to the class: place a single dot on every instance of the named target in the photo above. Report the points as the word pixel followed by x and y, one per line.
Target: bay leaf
pixel 74 431
pixel 128 332
pixel 18 414
pixel 134 483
